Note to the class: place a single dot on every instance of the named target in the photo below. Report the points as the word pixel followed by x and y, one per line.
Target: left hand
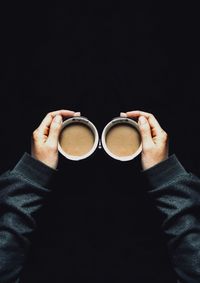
pixel 45 138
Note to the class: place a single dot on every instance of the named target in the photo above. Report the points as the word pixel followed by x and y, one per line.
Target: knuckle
pixel 50 114
pixel 35 134
pixel 164 136
pixel 144 126
pixel 151 116
pixel 55 126
pixel 142 129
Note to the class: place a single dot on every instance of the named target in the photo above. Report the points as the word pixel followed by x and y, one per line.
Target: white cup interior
pixel 91 126
pixel 115 121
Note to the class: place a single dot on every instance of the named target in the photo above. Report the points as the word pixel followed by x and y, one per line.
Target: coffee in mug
pixel 78 138
pixel 121 139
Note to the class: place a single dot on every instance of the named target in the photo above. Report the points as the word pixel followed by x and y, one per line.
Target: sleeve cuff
pixel 164 172
pixel 34 170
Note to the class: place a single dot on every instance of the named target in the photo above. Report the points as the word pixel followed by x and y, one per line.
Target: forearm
pixel 22 193
pixel 177 197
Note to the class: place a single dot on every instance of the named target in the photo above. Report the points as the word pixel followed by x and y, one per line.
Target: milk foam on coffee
pixel 123 140
pixel 76 139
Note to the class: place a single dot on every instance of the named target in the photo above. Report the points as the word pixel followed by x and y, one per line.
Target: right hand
pixel 45 138
pixel 154 138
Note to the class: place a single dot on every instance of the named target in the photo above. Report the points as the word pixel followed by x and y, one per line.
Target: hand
pixel 154 138
pixel 45 138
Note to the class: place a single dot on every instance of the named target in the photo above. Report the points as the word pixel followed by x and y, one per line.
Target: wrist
pixel 149 162
pixel 48 161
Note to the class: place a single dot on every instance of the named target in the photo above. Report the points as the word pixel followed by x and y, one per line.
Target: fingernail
pixel 77 114
pixel 123 114
pixel 58 119
pixel 142 120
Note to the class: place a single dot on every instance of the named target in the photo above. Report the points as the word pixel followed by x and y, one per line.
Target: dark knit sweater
pixel 176 194
pixel 22 193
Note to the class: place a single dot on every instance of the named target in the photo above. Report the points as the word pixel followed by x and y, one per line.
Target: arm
pixel 176 195
pixel 22 193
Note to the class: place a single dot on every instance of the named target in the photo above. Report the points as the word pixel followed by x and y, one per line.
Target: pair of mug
pixel 120 139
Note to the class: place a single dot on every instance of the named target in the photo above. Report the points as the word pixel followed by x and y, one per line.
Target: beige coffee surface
pixel 76 139
pixel 123 140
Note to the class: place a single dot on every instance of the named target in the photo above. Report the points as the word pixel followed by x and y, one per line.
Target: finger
pixel 145 130
pixel 155 126
pixel 45 124
pixel 54 131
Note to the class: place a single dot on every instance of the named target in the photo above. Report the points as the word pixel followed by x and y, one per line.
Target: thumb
pixel 145 131
pixel 55 130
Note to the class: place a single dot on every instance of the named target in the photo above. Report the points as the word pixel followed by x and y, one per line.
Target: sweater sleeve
pixel 176 195
pixel 22 193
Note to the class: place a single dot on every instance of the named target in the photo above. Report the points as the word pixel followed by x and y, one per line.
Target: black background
pixel 99 58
